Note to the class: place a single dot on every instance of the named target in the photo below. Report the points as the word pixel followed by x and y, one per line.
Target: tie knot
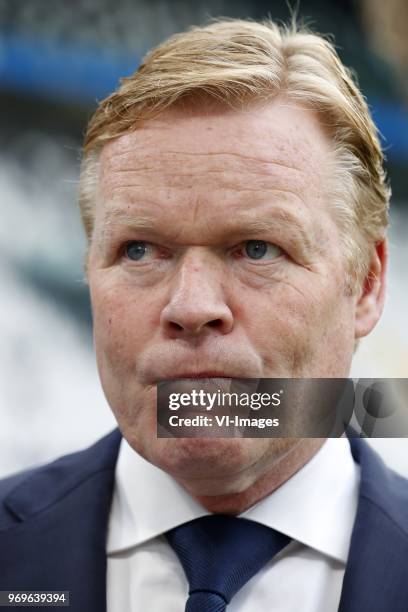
pixel 220 553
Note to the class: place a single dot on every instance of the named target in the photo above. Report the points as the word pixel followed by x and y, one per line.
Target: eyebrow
pixel 118 219
pixel 279 218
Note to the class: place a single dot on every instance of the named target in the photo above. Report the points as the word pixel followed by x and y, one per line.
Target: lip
pixel 196 375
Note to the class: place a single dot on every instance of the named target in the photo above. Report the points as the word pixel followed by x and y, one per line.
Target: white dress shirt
pixel 316 508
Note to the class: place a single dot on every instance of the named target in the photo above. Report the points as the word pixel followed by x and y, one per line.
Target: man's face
pixel 215 253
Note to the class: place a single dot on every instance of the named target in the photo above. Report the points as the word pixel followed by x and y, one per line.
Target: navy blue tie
pixel 219 554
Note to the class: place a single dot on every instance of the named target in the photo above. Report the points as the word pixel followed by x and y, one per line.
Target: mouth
pixel 207 374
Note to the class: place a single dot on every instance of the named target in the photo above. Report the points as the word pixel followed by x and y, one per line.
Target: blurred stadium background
pixel 57 59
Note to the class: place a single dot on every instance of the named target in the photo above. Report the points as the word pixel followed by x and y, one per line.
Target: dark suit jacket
pixel 53 523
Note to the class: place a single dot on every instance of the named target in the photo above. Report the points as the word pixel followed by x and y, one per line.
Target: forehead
pixel 178 157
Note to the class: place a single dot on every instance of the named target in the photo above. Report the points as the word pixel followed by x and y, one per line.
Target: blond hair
pixel 239 61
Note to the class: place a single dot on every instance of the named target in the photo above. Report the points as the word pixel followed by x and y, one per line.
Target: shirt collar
pixel 316 506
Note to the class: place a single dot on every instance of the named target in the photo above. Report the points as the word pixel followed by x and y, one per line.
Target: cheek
pixel 293 324
pixel 278 312
pixel 123 324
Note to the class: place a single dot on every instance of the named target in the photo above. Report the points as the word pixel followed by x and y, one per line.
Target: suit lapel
pixel 57 540
pixel 376 578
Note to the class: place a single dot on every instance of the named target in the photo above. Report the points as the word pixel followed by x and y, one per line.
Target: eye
pixel 136 250
pixel 259 249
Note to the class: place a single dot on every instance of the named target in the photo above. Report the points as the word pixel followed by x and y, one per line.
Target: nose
pixel 197 302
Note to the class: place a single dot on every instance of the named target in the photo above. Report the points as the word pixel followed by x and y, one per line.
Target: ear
pixel 370 302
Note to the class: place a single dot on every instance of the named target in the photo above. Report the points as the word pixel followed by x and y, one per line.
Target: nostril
pixel 175 326
pixel 215 323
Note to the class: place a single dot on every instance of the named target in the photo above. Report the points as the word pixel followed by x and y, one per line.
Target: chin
pixel 203 457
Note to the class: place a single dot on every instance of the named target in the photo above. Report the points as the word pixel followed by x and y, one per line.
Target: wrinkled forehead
pixel 184 167
pixel 208 178
pixel 281 133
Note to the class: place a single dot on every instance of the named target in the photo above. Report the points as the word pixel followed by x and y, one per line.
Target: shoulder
pixel 381 486
pixel 7 485
pixel 41 486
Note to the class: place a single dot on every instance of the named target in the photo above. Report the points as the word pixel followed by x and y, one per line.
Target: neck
pixel 240 496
